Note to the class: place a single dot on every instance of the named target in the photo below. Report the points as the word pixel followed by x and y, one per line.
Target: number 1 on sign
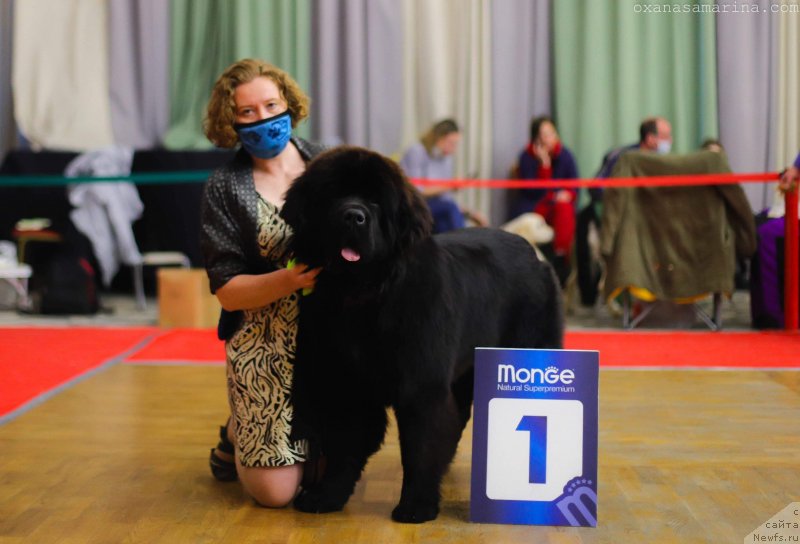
pixel 537 453
pixel 533 448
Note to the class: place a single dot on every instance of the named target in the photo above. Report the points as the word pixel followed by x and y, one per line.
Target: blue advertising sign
pixel 534 437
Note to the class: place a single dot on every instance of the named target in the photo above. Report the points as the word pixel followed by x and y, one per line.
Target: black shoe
pixel 222 470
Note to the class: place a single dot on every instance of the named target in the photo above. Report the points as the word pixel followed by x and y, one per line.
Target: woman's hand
pixel 476 217
pixel 542 154
pixel 562 195
pixel 300 276
pixel 789 179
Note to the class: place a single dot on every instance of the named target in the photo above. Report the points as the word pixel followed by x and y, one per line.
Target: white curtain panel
pixel 60 74
pixel 139 71
pixel 747 84
pixel 357 76
pixel 788 84
pixel 447 73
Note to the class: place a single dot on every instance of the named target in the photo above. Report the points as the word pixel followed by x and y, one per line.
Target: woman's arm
pixel 249 291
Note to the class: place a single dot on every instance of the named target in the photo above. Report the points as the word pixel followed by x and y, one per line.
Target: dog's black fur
pixel 398 327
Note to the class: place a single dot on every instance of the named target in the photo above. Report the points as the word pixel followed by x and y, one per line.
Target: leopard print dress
pixel 259 360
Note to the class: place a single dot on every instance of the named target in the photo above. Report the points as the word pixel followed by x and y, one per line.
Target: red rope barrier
pixel 651 181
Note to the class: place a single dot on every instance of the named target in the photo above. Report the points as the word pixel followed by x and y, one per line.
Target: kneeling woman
pixel 244 242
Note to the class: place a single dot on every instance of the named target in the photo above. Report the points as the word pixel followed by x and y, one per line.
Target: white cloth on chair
pixel 105 211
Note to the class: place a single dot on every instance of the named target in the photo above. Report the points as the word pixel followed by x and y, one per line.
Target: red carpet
pixel 36 361
pixel 182 345
pixel 690 349
pixel 617 348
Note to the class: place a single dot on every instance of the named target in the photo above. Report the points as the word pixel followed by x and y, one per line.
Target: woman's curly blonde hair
pixel 221 110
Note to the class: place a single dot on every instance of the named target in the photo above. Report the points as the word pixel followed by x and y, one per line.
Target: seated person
pixel 545 158
pixel 655 135
pixel 432 158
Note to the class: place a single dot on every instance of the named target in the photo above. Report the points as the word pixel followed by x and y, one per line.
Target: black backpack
pixel 67 285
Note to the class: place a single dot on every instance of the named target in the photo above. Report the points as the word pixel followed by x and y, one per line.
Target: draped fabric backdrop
pixel 747 70
pixel 614 67
pixel 357 73
pixel 208 35
pixel 7 126
pixel 447 73
pixel 520 81
pixel 61 83
pixel 139 71
pixel 788 104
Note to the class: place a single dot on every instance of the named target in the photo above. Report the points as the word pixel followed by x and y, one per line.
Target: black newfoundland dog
pixel 393 321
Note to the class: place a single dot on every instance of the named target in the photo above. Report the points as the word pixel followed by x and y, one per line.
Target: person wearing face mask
pixel 546 158
pixel 432 158
pixel 655 134
pixel 255 106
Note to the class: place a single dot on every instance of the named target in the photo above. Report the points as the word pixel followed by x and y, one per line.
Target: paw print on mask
pixel 278 130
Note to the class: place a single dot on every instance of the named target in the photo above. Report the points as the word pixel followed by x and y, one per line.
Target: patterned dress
pixel 259 364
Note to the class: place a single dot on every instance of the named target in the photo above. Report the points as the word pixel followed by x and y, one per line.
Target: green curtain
pixel 615 64
pixel 209 35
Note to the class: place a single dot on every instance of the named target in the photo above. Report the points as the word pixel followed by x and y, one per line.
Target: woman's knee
pixel 272 487
pixel 271 496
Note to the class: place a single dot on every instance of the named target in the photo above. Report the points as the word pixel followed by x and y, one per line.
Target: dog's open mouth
pixel 350 254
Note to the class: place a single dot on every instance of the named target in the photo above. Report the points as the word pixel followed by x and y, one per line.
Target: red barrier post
pixel 790 262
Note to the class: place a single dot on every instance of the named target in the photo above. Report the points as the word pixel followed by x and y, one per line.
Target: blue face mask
pixel 266 138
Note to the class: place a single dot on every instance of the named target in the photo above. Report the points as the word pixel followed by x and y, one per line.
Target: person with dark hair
pixel 545 158
pixel 432 158
pixel 245 246
pixel 655 134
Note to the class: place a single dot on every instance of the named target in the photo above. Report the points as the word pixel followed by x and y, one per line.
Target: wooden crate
pixel 184 299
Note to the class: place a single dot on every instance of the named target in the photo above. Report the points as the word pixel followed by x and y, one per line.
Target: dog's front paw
pixel 415 512
pixel 315 501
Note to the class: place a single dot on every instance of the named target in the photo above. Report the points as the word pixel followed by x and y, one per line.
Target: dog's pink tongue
pixel 350 255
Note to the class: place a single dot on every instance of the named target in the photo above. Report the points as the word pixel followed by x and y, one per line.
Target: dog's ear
pixel 294 204
pixel 414 220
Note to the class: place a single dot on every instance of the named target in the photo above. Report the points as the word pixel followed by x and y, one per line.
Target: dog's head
pixel 352 208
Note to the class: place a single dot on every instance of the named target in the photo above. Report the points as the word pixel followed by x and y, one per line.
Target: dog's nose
pixel 355 217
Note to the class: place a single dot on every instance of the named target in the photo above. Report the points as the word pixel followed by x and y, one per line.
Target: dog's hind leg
pixel 539 314
pixel 429 434
pixel 462 391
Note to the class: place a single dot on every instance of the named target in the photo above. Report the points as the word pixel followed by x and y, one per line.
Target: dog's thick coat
pixel 393 321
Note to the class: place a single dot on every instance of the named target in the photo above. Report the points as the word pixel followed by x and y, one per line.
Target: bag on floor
pixel 67 286
pixel 766 275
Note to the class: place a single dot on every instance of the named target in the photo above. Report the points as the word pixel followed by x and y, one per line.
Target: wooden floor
pixel 122 457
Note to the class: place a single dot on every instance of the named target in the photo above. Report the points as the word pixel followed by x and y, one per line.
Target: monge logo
pixel 551 375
